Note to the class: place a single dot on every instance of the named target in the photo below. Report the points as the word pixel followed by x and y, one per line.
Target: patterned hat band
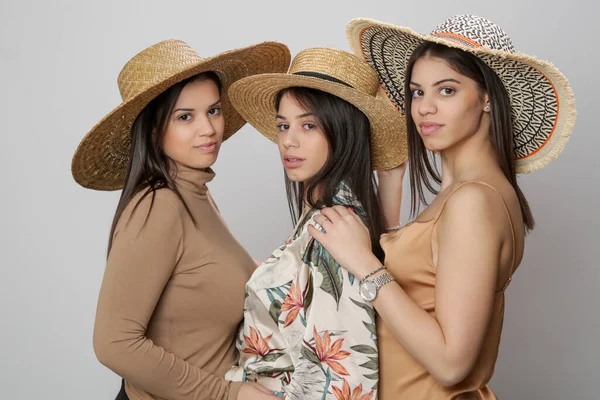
pixel 542 105
pixel 457 38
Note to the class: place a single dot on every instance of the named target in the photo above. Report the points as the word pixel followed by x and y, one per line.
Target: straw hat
pixel 543 106
pixel 100 162
pixel 332 71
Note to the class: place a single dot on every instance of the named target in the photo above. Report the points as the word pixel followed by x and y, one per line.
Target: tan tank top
pixel 409 258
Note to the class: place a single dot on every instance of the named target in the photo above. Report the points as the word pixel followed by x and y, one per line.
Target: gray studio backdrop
pixel 59 61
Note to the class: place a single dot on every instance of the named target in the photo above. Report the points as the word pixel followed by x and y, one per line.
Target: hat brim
pixel 254 98
pixel 542 102
pixel 100 162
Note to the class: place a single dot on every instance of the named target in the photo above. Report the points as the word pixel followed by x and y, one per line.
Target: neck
pixel 192 180
pixel 467 159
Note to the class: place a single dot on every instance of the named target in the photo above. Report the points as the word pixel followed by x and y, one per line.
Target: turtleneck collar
pixel 193 180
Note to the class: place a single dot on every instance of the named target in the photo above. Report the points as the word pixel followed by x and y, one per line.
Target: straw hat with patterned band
pixel 336 72
pixel 100 161
pixel 543 107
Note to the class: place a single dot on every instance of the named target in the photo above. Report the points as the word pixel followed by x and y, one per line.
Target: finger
pixel 317 234
pixel 342 210
pixel 320 221
pixel 332 214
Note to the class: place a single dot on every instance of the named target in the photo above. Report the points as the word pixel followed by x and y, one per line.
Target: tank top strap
pixel 512 229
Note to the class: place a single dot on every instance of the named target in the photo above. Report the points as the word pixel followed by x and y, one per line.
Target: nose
pixel 289 138
pixel 205 127
pixel 426 105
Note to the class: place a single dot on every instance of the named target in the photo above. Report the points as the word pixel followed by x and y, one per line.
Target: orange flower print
pixel 345 394
pixel 293 303
pixel 256 344
pixel 329 353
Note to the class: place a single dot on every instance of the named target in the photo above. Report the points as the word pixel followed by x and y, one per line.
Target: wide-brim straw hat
pixel 336 72
pixel 101 160
pixel 542 103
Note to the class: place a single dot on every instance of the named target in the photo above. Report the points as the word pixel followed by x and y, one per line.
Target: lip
pixel 428 128
pixel 207 147
pixel 291 161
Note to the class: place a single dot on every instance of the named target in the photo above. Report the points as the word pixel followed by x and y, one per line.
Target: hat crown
pixel 339 65
pixel 154 65
pixel 473 31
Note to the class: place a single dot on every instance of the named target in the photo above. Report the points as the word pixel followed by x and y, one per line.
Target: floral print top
pixel 307 332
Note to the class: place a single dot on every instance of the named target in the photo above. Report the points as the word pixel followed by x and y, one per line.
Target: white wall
pixel 58 66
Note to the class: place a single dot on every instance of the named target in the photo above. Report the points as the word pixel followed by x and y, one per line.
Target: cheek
pixel 219 125
pixel 175 141
pixel 320 149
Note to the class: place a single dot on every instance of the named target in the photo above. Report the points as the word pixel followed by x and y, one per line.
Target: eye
pixel 283 127
pixel 447 91
pixel 214 111
pixel 185 117
pixel 308 126
pixel 416 93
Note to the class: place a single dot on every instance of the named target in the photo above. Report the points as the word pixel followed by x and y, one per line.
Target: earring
pixel 486 108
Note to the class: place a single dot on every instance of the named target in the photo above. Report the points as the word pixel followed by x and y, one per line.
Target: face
pixel 195 127
pixel 302 143
pixel 447 107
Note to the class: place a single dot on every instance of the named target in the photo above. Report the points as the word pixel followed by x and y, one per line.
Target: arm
pixel 390 194
pixel 141 261
pixel 469 246
pixel 339 350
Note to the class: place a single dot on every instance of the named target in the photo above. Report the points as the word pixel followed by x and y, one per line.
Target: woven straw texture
pixel 101 160
pixel 254 98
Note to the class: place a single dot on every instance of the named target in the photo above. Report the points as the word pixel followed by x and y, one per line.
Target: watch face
pixel 368 290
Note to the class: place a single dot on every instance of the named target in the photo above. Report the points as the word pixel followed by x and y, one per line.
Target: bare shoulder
pixel 475 203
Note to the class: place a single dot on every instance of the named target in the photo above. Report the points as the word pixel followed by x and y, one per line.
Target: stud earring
pixel 486 108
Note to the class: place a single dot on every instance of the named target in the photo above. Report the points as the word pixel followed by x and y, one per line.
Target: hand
pixel 346 238
pixel 394 174
pixel 255 391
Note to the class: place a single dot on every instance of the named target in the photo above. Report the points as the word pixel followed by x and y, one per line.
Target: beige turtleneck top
pixel 173 296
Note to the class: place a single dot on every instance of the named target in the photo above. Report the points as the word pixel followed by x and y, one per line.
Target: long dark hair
pixel 149 167
pixel 423 171
pixel 347 131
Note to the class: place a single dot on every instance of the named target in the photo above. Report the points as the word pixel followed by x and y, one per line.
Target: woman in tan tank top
pixel 488 114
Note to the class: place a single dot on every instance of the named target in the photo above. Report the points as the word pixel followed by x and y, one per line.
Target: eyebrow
pixel 193 109
pixel 309 114
pixel 438 82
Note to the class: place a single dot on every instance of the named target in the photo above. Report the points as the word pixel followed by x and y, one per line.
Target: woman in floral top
pixel 307 332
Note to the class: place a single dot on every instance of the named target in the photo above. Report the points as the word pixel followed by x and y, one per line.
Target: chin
pixel 295 176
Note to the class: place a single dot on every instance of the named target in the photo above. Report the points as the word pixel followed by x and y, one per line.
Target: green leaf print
pixel 275 310
pixel 332 283
pixel 370 310
pixel 307 296
pixel 374 375
pixel 271 356
pixel 311 356
pixel 364 349
pixel 371 327
pixel 371 364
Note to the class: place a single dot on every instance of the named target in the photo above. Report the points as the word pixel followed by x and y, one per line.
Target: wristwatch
pixel 368 288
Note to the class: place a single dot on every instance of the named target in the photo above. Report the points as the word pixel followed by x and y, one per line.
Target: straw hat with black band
pixel 100 161
pixel 336 72
pixel 542 102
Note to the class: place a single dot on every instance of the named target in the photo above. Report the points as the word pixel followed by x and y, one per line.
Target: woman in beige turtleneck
pixel 173 291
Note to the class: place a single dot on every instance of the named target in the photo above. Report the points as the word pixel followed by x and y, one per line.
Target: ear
pixel 486 103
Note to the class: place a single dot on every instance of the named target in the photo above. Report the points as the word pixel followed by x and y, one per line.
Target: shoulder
pixel 154 208
pixel 474 203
